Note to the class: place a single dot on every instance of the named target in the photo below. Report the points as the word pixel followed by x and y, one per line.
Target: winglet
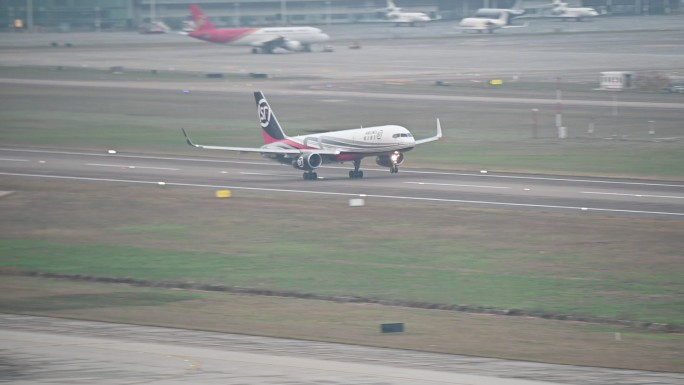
pixel 438 136
pixel 439 130
pixel 187 138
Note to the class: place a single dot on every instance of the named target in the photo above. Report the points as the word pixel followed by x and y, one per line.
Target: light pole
pixel 614 112
pixel 327 12
pixel 283 12
pixel 562 132
pixel 29 15
pixel 559 107
pixel 98 21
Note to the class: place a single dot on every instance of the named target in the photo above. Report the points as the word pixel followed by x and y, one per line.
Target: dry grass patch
pixel 426 330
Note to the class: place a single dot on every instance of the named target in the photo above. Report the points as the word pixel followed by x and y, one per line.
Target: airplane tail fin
pixel 269 123
pixel 200 19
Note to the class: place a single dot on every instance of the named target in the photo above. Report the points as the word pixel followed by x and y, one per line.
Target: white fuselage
pixel 304 35
pixel 562 10
pixel 482 24
pixel 576 13
pixel 260 36
pixel 369 140
pixel 408 17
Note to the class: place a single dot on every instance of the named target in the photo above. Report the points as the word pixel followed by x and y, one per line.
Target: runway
pixel 41 350
pixel 580 195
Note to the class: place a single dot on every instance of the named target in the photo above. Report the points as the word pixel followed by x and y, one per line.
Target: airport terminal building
pixel 84 15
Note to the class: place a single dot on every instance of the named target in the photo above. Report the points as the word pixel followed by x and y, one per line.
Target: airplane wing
pixel 438 136
pixel 262 150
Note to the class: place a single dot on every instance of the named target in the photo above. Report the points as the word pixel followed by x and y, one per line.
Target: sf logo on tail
pixel 264 113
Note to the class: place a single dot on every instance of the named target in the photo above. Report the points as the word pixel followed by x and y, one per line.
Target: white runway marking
pixel 446 200
pixel 456 185
pixel 125 166
pixel 13 160
pixel 634 195
pixel 261 174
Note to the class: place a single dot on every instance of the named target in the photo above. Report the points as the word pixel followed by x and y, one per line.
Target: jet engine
pixel 392 160
pixel 308 161
pixel 292 45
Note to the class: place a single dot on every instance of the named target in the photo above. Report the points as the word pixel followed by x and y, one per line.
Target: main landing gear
pixel 310 175
pixel 356 173
pixel 394 169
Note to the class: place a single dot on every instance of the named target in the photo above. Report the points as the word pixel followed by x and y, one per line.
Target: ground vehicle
pixel 674 88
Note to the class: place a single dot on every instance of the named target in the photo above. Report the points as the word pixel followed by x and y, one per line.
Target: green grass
pixel 617 267
pixel 463 276
pixel 477 136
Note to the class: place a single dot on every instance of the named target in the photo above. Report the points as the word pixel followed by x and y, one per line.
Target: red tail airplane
pixel 263 40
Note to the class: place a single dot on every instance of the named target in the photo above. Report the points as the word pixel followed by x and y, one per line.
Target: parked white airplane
pixel 308 152
pixel 562 11
pixel 494 13
pixel 480 24
pixel 260 39
pixel 399 17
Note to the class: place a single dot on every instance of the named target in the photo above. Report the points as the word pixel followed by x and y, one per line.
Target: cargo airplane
pixel 263 40
pixel 308 152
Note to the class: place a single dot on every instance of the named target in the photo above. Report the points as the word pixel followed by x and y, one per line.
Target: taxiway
pixel 42 350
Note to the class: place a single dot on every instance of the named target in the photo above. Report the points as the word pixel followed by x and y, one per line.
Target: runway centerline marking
pixel 456 185
pixel 262 174
pixel 13 160
pixel 423 199
pixel 634 195
pixel 125 166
